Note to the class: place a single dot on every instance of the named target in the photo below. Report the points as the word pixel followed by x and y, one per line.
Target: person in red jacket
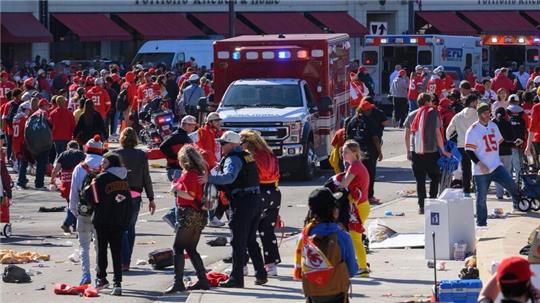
pixel 8 113
pixel 63 125
pixel 5 87
pixel 502 81
pixel 416 86
pixel 268 168
pixel 437 85
pixel 185 77
pixel 147 91
pixel 533 75
pixel 19 151
pixel 446 112
pixel 206 139
pixel 100 97
pixel 131 88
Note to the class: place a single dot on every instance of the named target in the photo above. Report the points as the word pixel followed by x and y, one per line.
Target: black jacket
pixel 172 145
pixel 136 162
pixel 505 127
pixel 113 200
pixel 85 131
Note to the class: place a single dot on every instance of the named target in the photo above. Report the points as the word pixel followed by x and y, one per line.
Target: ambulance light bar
pixel 269 53
pixel 510 40
pixel 402 40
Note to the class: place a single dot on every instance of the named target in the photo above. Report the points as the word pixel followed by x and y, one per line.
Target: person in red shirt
pixel 72 92
pixel 5 87
pixel 185 77
pixel 437 85
pixel 502 81
pixel 8 113
pixel 356 180
pixel 533 142
pixel 207 88
pixel 416 86
pixel 43 84
pixel 191 219
pixel 469 75
pixel 446 112
pixel 147 91
pixel 100 97
pixel 268 168
pixel 206 139
pixel 533 75
pixel 131 89
pixel 63 125
pixel 19 150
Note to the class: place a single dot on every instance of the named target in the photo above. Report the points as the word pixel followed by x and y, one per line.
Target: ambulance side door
pixel 424 56
pixel 371 58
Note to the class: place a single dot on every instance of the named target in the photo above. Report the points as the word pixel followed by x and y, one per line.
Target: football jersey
pixel 484 141
pixel 19 123
pixel 5 87
pixel 416 86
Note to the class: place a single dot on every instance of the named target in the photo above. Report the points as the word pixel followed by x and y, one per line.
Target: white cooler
pixel 451 217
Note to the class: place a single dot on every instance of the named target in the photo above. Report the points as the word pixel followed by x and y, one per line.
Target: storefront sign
pixel 509 2
pixel 205 2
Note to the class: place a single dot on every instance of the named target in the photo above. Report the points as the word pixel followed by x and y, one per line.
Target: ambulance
pixel 293 89
pixel 380 55
pixel 499 51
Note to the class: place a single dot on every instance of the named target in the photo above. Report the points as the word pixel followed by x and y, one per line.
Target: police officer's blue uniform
pixel 239 179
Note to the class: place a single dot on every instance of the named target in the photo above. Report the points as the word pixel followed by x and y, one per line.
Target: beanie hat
pixel 483 107
pixel 94 145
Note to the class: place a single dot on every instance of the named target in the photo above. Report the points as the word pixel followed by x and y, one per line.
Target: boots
pixel 178 286
pixel 202 284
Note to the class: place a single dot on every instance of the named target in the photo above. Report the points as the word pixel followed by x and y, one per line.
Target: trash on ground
pixel 65 289
pixel 58 209
pixel 218 241
pixel 32 272
pixel 498 213
pixel 161 258
pixel 378 231
pixel 400 241
pixel 215 277
pixel 41 288
pixel 441 266
pixel 13 257
pixel 15 274
pixel 74 257
pixel 406 193
pixel 141 262
pixel 146 242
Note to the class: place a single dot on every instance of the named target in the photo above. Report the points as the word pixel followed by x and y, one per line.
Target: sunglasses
pixel 223 143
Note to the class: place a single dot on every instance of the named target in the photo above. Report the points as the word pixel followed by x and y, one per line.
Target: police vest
pixel 248 175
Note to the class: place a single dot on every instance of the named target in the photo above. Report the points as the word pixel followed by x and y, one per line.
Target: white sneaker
pixel 228 271
pixel 271 269
pixel 215 223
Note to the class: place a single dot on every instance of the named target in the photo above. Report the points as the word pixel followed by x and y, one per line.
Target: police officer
pixel 239 179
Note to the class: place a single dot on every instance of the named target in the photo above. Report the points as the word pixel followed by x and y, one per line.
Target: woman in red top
pixel 356 180
pixel 268 168
pixel 191 219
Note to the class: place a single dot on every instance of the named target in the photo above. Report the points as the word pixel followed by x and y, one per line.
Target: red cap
pixel 445 102
pixel 365 105
pixel 516 266
pixel 43 102
pixel 402 73
pixel 479 88
pixel 152 70
pixel 76 79
pixel 130 76
pixel 29 82
pixel 4 74
pixel 362 69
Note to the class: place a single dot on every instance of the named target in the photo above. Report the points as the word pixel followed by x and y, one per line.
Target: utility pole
pixel 232 18
pixel 411 17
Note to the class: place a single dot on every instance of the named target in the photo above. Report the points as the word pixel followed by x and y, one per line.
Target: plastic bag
pixel 378 231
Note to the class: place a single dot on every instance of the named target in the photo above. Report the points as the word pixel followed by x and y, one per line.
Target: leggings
pixel 187 239
pixel 359 249
pixel 271 201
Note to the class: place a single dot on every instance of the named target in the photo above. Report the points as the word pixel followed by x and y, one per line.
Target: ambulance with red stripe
pixel 499 50
pixel 293 89
pixel 381 54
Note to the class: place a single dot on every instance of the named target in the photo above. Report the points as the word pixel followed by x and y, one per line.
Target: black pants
pixel 339 298
pixel 271 202
pixel 466 169
pixel 401 108
pixel 426 165
pixel 187 239
pixel 114 239
pixel 244 221
pixel 370 162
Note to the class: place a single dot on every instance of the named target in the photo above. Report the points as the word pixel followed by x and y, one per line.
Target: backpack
pixel 86 204
pixel 15 274
pixel 122 101
pixel 323 271
pixel 12 111
pixel 38 134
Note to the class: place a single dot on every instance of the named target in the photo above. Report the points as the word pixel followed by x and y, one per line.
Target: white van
pixel 172 52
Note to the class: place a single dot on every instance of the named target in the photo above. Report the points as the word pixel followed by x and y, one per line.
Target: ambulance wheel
pixel 524 204
pixel 535 205
pixel 309 163
pixel 7 230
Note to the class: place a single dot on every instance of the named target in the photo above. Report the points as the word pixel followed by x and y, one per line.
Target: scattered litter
pixel 41 288
pixel 52 209
pixel 68 243
pixel 146 242
pixel 219 241
pixel 400 214
pixel 378 231
pixel 289 205
pixel 142 220
pixel 13 257
pixel 32 272
pixel 498 213
pixel 141 262
pixel 65 289
pixel 74 257
pixel 388 213
pixel 441 266
pixel 159 196
pixel 406 193
pixel 23 217
pixel 388 294
pixel 400 241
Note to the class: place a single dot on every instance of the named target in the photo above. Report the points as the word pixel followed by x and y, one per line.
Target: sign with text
pixel 378 28
pixel 435 219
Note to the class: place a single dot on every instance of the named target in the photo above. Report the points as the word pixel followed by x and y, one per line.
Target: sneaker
pixel 374 201
pixel 65 228
pixel 86 279
pixel 117 290
pixel 215 222
pixel 363 273
pixel 271 269
pixel 102 283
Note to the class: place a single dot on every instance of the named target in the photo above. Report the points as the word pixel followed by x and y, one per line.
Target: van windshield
pixel 152 59
pixel 282 95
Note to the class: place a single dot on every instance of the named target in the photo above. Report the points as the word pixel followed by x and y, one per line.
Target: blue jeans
pixel 41 166
pixel 499 175
pixel 22 180
pixel 128 240
pixel 413 105
pixel 117 122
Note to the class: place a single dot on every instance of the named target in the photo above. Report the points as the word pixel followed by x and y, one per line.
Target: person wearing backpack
pixel 324 258
pixel 112 213
pixel 38 139
pixel 81 178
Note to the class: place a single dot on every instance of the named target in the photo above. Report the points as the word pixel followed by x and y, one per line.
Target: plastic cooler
pixel 451 217
pixel 459 291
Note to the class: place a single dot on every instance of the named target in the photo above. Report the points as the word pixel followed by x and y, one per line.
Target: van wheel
pixel 309 163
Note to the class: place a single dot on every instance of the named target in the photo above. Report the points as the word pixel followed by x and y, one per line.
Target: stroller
pixel 530 193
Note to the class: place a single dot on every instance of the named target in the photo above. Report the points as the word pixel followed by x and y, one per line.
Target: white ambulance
pixel 499 51
pixel 380 55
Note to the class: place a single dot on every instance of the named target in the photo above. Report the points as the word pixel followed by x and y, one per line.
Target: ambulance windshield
pixel 279 95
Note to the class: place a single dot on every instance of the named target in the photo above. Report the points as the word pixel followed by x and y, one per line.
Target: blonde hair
pixel 254 142
pixel 354 147
pixel 128 138
pixel 60 101
pixel 189 158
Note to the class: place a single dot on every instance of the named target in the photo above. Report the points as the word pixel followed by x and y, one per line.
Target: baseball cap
pixel 194 77
pixel 322 200
pixel 419 67
pixel 188 120
pixel 43 102
pixel 445 102
pixel 516 266
pixel 514 108
pixel 365 105
pixel 402 73
pixel 230 137
pixel 29 82
pixel 213 116
pixel 513 98
pixel 482 107
pixel 4 74
pixel 536 80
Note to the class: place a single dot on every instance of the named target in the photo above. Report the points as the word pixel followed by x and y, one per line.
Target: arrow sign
pixel 378 28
